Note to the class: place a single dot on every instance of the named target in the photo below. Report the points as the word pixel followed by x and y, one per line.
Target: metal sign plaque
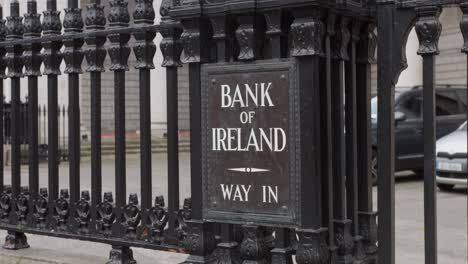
pixel 249 124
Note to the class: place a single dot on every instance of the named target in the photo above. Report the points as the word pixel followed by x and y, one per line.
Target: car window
pixel 447 103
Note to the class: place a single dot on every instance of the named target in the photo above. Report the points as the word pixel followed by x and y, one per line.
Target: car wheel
pixel 374 167
pixel 445 187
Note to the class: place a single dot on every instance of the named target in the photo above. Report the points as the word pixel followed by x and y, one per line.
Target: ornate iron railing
pixel 333 45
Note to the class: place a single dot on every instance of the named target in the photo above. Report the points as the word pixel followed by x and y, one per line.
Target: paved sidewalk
pixel 64 251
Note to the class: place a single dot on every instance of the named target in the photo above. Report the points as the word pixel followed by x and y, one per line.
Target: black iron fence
pixel 42 124
pixel 324 49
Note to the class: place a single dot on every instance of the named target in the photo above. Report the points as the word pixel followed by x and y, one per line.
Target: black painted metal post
pixel 351 142
pixel 171 49
pixel 119 53
pixel 3 64
pixel 312 247
pixel 428 29
pixel 367 218
pixel 144 50
pixel 386 134
pixel 14 28
pixel 95 55
pixel 275 23
pixel 343 238
pixel 51 57
pixel 73 56
pixel 327 132
pixel 200 242
pixel 32 63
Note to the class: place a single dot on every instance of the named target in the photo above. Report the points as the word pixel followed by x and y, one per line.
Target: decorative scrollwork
pixel 144 12
pixel 254 246
pixel 51 24
pixel 368 45
pixel 165 6
pixel 32 21
pixel 312 247
pixel 171 47
pixel 118 15
pixel 119 50
pixel 2 50
pixel 428 29
pixel 344 240
pixel 62 210
pixel 184 215
pixel 131 216
pixel 307 34
pixel 341 40
pixel 95 54
pixel 144 50
pixel 14 61
pixel 5 203
pixel 200 240
pixel 158 218
pixel 73 21
pixel 190 40
pixel 105 214
pixel 245 35
pixel 32 29
pixel 368 231
pixel 14 25
pixel 95 17
pixel 83 212
pixel 73 55
pixel 41 208
pixel 51 56
pixel 22 205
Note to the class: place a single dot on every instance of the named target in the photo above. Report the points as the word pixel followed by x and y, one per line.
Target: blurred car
pixel 452 160
pixel 409 146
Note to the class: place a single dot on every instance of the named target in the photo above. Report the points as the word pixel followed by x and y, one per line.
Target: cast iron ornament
pixel 62 210
pixel 3 64
pixel 368 231
pixel 312 248
pixel 83 212
pixel 5 203
pixel 158 217
pixel 428 29
pixel 343 240
pixel 41 208
pixel 105 214
pixel 190 40
pixel 144 12
pixel 73 20
pixel 341 40
pixel 245 35
pixel 22 206
pixel 72 54
pixel 131 216
pixel 171 47
pixel 95 17
pixel 307 35
pixel 254 248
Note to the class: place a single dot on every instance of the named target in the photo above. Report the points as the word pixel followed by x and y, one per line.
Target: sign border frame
pixel 294 125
